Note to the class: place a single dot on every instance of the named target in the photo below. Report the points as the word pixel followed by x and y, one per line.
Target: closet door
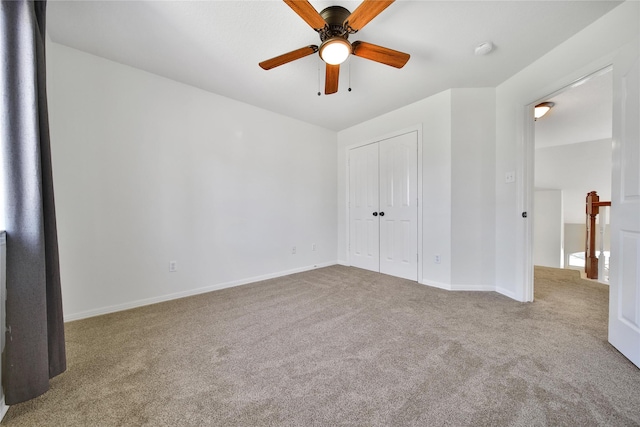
pixel 364 234
pixel 383 212
pixel 398 202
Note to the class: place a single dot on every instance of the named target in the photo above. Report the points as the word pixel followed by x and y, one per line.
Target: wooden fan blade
pixel 307 12
pixel 365 12
pixel 331 79
pixel 288 57
pixel 380 54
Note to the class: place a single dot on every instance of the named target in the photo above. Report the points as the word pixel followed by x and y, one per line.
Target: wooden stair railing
pixel 593 209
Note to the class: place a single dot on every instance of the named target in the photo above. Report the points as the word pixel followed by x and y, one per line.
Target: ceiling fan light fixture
pixel 334 25
pixel 542 109
pixel 335 51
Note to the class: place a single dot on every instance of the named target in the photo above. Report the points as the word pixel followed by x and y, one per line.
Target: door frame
pixel 525 191
pixel 415 128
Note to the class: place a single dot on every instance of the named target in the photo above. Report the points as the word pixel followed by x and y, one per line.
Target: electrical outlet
pixel 293 250
pixel 510 177
pixel 173 266
pixel 313 247
pixel 436 259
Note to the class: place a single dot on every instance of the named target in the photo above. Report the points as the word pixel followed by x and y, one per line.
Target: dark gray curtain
pixel 34 350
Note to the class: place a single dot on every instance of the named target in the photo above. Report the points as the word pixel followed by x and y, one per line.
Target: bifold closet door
pixel 383 212
pixel 398 179
pixel 364 230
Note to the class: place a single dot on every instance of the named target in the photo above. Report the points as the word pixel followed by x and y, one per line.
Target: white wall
pixel 574 239
pixel 148 170
pixel 473 194
pixel 458 137
pixel 589 50
pixel 548 228
pixel 576 169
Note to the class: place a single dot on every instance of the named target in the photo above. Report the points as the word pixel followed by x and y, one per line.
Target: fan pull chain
pixel 349 65
pixel 319 83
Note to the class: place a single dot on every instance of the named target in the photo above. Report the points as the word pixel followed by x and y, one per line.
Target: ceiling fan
pixel 334 24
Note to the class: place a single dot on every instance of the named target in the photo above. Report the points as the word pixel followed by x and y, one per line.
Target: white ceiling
pixel 581 113
pixel 216 46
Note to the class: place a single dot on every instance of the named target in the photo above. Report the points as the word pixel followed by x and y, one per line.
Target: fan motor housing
pixel 334 16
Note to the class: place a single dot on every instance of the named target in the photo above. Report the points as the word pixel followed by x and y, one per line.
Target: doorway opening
pixel 572 156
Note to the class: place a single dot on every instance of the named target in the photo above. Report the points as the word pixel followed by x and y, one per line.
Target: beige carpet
pixel 342 346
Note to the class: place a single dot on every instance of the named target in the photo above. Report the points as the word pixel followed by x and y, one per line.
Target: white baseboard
pixel 506 293
pixel 438 285
pixel 454 287
pixel 3 409
pixel 345 263
pixel 177 295
pixel 478 288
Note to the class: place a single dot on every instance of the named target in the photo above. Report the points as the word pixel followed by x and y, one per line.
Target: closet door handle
pixel 375 214
pixel 381 213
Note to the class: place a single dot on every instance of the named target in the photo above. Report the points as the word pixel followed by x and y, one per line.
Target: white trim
pixel 420 211
pixel 454 287
pixel 3 314
pixel 3 409
pixel 347 204
pixel 525 204
pixel 178 295
pixel 414 128
pixel 438 285
pixel 475 288
pixel 404 131
pixel 505 292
